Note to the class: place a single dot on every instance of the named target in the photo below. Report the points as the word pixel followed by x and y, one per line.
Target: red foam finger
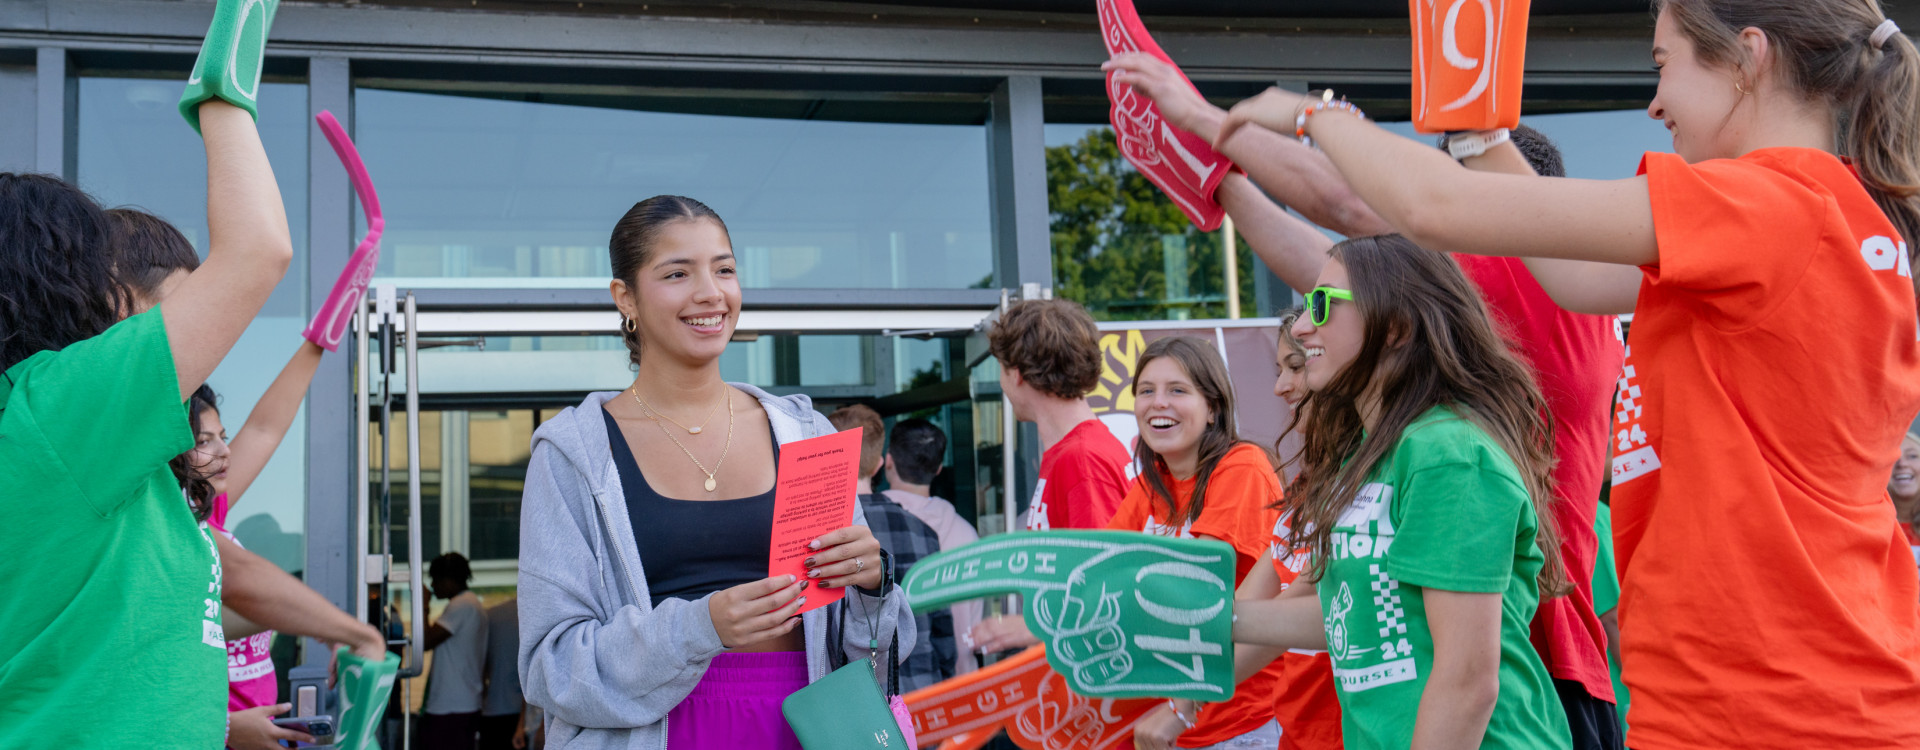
pixel 1180 163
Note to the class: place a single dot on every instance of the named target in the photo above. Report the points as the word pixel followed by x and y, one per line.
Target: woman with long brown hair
pixel 1420 500
pixel 1197 478
pixel 1774 362
pixel 1305 703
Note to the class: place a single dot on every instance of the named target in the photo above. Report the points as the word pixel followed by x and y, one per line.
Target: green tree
pixel 1113 231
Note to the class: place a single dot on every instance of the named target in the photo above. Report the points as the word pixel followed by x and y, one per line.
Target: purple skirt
pixel 737 704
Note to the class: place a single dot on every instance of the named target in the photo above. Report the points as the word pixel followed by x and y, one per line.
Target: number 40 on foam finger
pixel 1123 615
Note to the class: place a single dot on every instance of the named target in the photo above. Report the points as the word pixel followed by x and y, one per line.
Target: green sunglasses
pixel 1320 302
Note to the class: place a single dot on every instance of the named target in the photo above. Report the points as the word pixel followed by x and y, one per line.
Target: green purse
pixel 844 710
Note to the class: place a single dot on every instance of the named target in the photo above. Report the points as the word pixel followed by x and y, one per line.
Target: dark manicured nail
pixel 809 562
pixel 804 584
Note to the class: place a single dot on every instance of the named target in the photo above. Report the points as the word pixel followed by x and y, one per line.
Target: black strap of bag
pixel 836 634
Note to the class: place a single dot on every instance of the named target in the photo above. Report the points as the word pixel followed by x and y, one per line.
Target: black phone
pixel 319 727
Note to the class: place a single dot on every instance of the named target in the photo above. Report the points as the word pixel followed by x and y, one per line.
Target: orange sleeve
pixel 1132 515
pixel 1733 233
pixel 1236 509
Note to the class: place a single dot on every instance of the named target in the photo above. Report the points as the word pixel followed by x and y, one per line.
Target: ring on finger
pixel 859 565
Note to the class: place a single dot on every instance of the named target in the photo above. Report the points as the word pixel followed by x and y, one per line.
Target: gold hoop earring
pixel 1738 86
pixel 628 324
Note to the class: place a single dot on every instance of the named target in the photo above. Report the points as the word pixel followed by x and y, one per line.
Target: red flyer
pixel 1185 167
pixel 814 495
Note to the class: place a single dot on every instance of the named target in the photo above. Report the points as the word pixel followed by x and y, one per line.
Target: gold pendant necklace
pixel 654 416
pixel 635 391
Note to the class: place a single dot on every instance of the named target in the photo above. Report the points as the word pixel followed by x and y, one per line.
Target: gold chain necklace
pixel 711 483
pixel 690 430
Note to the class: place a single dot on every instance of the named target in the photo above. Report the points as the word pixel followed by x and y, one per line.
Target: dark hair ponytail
pixel 1883 131
pixel 194 479
pixel 632 245
pixel 1826 52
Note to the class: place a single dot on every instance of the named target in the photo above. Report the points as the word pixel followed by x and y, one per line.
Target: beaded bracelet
pixel 1182 717
pixel 1326 102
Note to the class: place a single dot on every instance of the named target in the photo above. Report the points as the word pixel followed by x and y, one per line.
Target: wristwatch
pixel 1466 144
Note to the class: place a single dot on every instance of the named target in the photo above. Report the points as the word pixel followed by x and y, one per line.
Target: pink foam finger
pixel 329 323
pixel 1182 164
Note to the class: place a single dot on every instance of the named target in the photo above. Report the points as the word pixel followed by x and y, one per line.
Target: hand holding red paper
pixel 846 557
pixel 814 502
pixel 329 324
pixel 754 612
pixel 1179 162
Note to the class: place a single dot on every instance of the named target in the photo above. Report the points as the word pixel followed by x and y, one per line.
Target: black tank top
pixel 692 548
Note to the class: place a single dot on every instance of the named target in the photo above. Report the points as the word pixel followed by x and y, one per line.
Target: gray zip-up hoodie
pixel 604 663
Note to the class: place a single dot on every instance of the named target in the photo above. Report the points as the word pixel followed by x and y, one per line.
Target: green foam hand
pixel 231 58
pixel 1123 614
pixel 365 685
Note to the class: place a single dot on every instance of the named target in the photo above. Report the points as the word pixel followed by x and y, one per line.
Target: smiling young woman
pixel 1199 479
pixel 647 520
pixel 1420 505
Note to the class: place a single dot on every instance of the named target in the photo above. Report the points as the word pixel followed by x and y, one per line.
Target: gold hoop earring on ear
pixel 629 324
pixel 1738 86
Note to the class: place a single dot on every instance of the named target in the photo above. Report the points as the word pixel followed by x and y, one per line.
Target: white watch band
pixel 1470 143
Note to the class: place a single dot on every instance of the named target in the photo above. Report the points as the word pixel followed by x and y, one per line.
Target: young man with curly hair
pixel 1049 354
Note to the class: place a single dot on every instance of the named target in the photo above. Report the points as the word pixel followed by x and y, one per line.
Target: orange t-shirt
pixel 1236 511
pixel 1768 598
pixel 1304 700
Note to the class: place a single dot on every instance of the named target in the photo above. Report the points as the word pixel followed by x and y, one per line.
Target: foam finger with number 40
pixel 1123 615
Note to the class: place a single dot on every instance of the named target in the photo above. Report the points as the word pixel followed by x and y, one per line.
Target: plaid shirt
pixel 907 539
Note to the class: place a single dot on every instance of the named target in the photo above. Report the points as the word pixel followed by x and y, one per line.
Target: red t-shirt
pixel 1082 479
pixel 1576 361
pixel 1237 511
pixel 1304 700
pixel 1768 597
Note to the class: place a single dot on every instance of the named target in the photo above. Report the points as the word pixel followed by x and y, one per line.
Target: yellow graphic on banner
pixel 1119 356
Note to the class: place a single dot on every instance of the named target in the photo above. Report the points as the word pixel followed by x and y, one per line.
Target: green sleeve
pixel 1606 580
pixel 1457 527
pixel 108 408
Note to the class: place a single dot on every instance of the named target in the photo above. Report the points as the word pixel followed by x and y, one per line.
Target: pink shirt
pixel 250 680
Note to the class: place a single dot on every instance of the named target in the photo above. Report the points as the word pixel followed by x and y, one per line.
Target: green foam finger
pixel 231 58
pixel 1123 614
pixel 365 685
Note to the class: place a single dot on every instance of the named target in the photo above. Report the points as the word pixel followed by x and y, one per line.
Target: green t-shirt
pixel 1606 596
pixel 1446 510
pixel 111 633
